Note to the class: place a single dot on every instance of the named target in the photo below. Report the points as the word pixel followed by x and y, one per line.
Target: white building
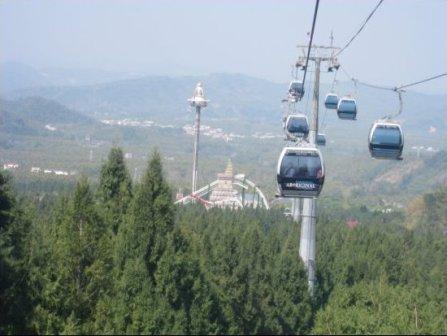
pixel 50 128
pixel 10 166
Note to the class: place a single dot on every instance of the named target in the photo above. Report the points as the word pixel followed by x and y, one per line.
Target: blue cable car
pixel 321 139
pixel 300 172
pixel 347 108
pixel 331 101
pixel 296 90
pixel 386 140
pixel 296 126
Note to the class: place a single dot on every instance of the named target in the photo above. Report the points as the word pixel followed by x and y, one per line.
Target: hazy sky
pixel 404 41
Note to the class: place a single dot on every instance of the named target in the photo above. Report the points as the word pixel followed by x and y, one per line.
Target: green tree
pixel 115 188
pixel 71 279
pixel 151 217
pixel 292 304
pixel 141 242
pixel 378 308
pixel 15 301
pixel 115 197
pixel 187 301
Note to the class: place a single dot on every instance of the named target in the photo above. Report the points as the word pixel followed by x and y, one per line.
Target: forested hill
pixel 30 115
pixel 120 258
pixel 400 181
pixel 239 102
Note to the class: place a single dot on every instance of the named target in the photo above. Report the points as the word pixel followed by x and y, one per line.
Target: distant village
pixel 39 170
pixel 216 133
pixel 208 131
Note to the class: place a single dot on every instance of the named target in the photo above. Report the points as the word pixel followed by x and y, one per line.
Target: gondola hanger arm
pixel 399 93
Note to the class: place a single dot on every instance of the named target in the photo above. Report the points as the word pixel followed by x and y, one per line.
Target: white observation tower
pixel 198 101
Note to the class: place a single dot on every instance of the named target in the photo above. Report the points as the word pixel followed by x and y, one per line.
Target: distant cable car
pixel 296 126
pixel 347 108
pixel 321 140
pixel 296 90
pixel 331 101
pixel 300 172
pixel 386 140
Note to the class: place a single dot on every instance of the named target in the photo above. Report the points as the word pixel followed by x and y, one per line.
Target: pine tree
pixel 378 308
pixel 115 188
pixel 71 280
pixel 189 304
pixel 115 196
pixel 6 202
pixel 292 305
pixel 15 300
pixel 151 217
pixel 141 242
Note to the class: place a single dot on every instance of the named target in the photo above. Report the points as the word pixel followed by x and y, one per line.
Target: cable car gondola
pixel 296 126
pixel 347 108
pixel 321 139
pixel 300 172
pixel 331 101
pixel 386 140
pixel 296 90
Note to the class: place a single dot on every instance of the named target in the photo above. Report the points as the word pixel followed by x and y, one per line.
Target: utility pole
pixel 309 205
pixel 198 101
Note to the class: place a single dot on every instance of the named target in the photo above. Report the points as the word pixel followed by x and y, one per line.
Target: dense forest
pixel 119 257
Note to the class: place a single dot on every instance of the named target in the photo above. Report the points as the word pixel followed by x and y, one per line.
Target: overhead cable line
pixel 394 88
pixel 422 81
pixel 317 2
pixel 361 28
pixel 334 80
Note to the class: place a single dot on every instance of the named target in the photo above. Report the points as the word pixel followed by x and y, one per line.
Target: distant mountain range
pixel 36 115
pixel 239 103
pixel 16 76
pixel 34 111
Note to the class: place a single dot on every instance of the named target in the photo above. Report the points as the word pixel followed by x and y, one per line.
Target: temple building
pixel 228 191
pixel 224 194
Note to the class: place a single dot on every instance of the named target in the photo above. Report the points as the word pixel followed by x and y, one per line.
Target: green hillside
pixel 41 110
pixel 119 257
pixel 246 105
pixel 350 172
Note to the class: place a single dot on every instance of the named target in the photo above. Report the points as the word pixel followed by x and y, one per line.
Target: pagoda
pixel 223 194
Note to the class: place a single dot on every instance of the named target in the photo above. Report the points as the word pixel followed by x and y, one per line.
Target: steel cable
pixel 361 28
pixel 317 2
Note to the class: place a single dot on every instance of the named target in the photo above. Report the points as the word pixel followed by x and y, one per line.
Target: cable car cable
pixel 361 28
pixel 395 88
pixel 377 86
pixel 334 80
pixel 317 2
pixel 421 81
pixel 354 81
